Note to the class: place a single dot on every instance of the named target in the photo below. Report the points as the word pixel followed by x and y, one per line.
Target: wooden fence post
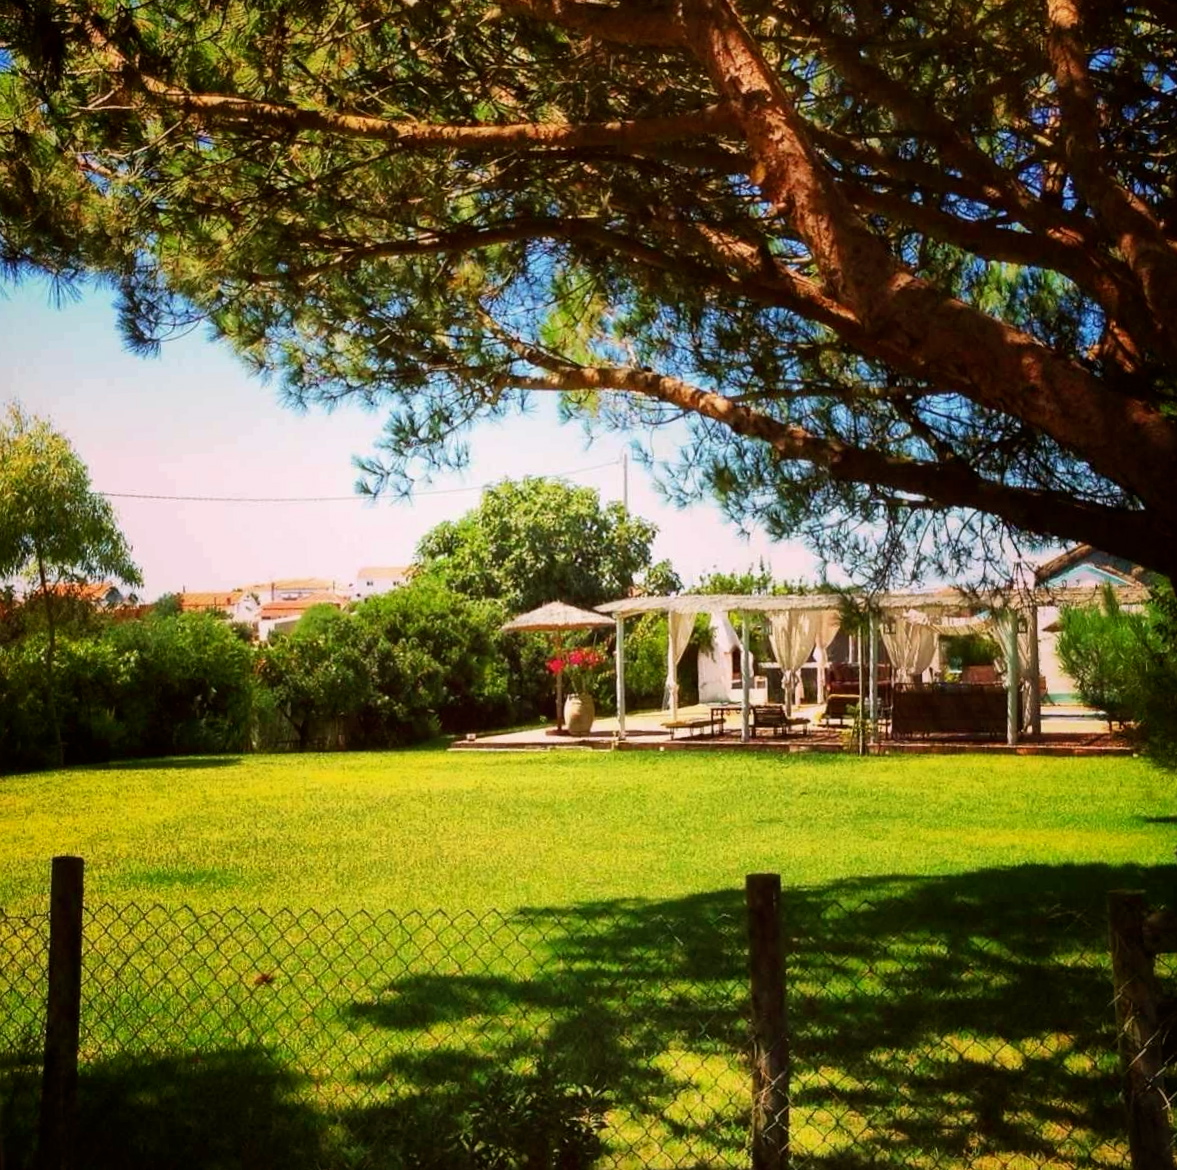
pixel 1137 993
pixel 770 1025
pixel 57 1148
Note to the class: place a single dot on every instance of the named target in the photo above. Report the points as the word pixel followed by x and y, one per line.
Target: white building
pixel 720 678
pixel 379 579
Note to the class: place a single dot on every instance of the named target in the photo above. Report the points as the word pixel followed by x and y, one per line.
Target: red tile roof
pixel 195 602
pixel 296 606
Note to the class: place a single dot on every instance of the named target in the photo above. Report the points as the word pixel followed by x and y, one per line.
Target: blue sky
pixel 192 422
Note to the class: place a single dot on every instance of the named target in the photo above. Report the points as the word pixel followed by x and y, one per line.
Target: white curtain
pixel 1000 635
pixel 829 622
pixel 678 628
pixel 793 634
pixel 911 644
pixel 959 627
pixel 995 627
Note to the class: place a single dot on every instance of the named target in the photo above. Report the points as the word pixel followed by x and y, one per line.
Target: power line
pixel 321 499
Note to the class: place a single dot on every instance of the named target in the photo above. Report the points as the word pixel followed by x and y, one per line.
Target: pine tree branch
pixel 908 322
pixel 1135 232
pixel 231 109
pixel 948 483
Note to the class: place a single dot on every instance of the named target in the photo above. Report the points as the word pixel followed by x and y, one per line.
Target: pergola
pixel 909 622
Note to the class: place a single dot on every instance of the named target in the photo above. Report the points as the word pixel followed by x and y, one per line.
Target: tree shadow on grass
pixel 942 1021
pixel 229 1108
pixel 173 764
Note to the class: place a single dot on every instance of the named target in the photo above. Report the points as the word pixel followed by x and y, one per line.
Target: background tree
pixel 190 685
pixel 1125 664
pixel 442 665
pixel 54 530
pixel 317 674
pixel 907 271
pixel 535 540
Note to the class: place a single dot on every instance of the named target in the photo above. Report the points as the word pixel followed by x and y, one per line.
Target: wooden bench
pixel 699 725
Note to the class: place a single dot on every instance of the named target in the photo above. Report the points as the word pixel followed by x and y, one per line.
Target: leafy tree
pixel 661 580
pixel 1104 649
pixel 318 673
pixel 442 665
pixel 54 530
pixel 1125 663
pixel 536 540
pixel 190 685
pixel 970 650
pixel 907 270
pixel 756 580
pixel 167 605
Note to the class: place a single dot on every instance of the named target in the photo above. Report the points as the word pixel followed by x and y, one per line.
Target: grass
pixel 428 830
pixel 454 915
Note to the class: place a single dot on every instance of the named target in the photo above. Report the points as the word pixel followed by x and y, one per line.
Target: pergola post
pixel 874 666
pixel 745 679
pixel 1012 678
pixel 1033 669
pixel 619 651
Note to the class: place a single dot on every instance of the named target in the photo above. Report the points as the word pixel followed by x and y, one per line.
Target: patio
pixel 1012 716
pixel 1066 731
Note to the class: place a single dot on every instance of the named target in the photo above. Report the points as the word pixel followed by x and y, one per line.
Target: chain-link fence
pixel 928 1027
pixel 24 951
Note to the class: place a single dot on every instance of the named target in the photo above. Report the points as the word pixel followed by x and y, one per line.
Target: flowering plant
pixel 579 668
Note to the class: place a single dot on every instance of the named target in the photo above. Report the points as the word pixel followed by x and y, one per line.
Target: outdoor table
pixel 720 711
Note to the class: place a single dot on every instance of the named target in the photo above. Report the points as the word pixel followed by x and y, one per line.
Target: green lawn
pixel 426 829
pixel 316 962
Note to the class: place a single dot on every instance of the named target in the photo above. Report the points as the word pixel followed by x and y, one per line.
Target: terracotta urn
pixel 579 712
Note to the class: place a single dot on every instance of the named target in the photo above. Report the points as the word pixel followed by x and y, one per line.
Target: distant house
pixel 102 594
pixel 290 589
pixel 238 605
pixel 379 579
pixel 1077 577
pixel 285 613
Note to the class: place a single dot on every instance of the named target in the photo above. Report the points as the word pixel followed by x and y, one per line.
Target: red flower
pixel 577 668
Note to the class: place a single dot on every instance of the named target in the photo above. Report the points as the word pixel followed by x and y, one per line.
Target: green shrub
pixel 533 1123
pixel 1126 665
pixel 154 687
pixel 443 666
pixel 1104 650
pixel 187 686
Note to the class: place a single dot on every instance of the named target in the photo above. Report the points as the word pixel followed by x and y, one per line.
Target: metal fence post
pixel 1141 1061
pixel 770 1027
pixel 57 1148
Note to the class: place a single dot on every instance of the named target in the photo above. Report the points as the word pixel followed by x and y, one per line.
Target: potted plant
pixel 578 669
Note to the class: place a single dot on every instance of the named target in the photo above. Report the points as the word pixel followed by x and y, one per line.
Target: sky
pixel 194 422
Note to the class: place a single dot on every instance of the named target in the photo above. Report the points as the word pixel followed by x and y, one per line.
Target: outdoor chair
pixel 775 717
pixel 839 708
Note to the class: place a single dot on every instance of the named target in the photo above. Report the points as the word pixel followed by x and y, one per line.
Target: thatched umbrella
pixel 555 617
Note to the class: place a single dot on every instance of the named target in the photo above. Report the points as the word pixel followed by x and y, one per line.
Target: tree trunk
pixel 50 658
